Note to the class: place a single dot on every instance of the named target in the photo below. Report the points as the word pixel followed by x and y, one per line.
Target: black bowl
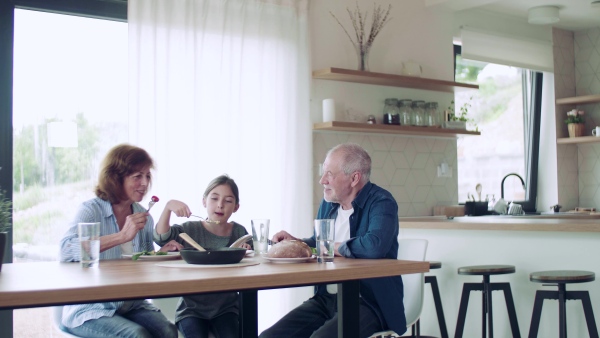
pixel 213 256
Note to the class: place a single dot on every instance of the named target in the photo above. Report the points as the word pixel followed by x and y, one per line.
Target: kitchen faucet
pixel 502 183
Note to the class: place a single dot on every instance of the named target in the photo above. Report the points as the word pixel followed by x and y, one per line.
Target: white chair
pixel 414 284
pixel 57 322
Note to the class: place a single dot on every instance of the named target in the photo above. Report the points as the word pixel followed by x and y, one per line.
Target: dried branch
pixel 379 20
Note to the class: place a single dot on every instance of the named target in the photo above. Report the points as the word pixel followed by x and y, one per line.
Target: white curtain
pixel 223 87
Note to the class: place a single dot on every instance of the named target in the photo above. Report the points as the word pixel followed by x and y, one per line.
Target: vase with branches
pixel 362 43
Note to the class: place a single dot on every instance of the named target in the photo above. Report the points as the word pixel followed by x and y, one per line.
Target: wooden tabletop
pixel 52 283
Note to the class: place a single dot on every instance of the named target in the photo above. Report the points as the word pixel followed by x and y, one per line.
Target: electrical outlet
pixel 444 171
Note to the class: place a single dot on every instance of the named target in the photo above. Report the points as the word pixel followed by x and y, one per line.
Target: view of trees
pixel 36 164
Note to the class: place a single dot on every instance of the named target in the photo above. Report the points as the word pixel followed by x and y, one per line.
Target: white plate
pixel 289 260
pixel 249 253
pixel 169 255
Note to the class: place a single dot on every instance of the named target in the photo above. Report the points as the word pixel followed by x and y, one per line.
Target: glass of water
pixel 325 236
pixel 260 235
pixel 89 241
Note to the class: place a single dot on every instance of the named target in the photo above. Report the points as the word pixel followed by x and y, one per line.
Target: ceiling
pixel 574 14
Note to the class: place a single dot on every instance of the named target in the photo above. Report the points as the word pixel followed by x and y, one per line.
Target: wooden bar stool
pixel 437 300
pixel 486 287
pixel 560 278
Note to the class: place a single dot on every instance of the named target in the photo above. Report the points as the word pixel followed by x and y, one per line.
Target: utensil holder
pixel 473 208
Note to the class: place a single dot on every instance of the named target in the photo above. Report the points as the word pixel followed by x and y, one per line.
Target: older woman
pixel 125 227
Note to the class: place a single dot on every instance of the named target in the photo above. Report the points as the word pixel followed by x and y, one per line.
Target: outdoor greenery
pixel 48 182
pixel 5 212
pixel 36 164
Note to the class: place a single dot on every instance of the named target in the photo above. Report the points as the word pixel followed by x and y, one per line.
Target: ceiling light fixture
pixel 543 15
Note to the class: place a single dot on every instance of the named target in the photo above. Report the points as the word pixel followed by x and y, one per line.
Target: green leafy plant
pixel 462 115
pixel 5 212
pixel 464 110
pixel 136 256
pixel 575 116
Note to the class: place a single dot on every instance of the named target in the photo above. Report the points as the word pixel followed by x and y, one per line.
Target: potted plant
pixel 457 121
pixel 575 123
pixel 5 223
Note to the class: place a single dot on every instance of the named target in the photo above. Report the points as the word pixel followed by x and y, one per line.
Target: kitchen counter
pixel 562 222
pixel 536 243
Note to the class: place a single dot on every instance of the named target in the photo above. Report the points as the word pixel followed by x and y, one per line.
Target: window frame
pixel 99 9
pixel 532 137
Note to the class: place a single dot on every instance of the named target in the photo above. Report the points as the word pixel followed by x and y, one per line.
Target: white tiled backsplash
pixel 405 166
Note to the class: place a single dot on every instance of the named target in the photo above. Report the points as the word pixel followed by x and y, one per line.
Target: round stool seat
pixel 562 276
pixel 486 270
pixel 434 265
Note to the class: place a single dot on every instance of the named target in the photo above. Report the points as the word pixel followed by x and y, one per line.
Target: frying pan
pixel 224 255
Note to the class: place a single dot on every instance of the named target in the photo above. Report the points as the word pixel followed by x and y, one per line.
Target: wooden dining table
pixel 38 284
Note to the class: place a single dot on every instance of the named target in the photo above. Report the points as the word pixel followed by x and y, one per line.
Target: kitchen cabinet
pixel 391 80
pixel 587 99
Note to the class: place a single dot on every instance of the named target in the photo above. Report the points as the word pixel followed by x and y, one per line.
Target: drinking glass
pixel 89 241
pixel 325 235
pixel 260 235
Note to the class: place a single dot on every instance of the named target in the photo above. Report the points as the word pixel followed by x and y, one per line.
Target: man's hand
pixel 282 236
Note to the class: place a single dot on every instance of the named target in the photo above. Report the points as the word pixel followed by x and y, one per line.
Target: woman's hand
pixel 246 246
pixel 173 245
pixel 133 224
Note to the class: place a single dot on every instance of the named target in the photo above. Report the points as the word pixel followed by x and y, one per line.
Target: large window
pixel 506 112
pixel 70 107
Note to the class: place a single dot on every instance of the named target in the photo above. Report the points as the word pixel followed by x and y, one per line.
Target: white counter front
pixel 528 244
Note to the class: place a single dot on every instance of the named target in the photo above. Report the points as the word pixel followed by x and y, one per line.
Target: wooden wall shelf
pixel 390 129
pixel 347 75
pixel 578 140
pixel 579 100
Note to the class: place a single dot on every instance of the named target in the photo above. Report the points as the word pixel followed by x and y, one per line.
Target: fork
pixel 207 220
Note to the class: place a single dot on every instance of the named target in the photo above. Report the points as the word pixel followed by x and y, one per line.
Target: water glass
pixel 325 236
pixel 89 241
pixel 260 235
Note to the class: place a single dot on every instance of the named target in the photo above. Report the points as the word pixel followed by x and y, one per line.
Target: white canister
pixel 328 110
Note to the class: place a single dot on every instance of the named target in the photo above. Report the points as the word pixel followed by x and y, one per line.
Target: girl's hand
pixel 246 246
pixel 178 208
pixel 133 224
pixel 172 245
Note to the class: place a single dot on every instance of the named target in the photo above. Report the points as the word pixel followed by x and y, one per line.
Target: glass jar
pixel 405 112
pixel 432 117
pixel 418 108
pixel 391 113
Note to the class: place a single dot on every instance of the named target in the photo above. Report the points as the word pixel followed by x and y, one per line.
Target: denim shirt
pixel 373 234
pixel 99 210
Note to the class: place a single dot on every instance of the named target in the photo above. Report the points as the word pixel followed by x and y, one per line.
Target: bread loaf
pixel 290 249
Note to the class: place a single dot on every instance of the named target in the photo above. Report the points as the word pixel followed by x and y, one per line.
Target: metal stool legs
pixel 486 287
pixel 437 300
pixel 562 295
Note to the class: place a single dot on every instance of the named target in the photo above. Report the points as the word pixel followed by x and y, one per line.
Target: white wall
pixel 404 165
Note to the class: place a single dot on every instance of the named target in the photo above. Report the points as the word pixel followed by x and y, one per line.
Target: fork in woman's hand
pixel 153 200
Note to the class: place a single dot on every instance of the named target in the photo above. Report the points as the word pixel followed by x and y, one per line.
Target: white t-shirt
pixel 342 234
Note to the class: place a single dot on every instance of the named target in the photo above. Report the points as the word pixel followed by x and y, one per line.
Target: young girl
pixel 198 314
